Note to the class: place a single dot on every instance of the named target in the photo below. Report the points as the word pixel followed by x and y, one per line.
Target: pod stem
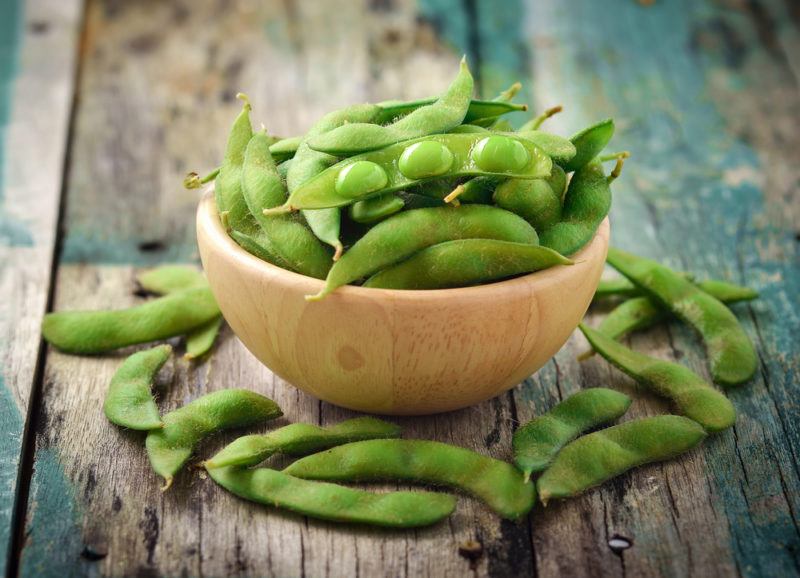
pixel 195 181
pixel 614 156
pixel 338 250
pixel 243 97
pixel 617 171
pixel 453 196
pixel 508 94
pixel 537 122
pixel 167 483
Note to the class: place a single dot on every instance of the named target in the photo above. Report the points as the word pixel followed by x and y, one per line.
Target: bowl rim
pixel 208 221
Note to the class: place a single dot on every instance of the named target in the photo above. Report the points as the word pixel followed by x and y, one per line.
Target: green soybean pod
pixel 505 96
pixel 597 457
pixel 408 164
pixel 285 148
pixel 308 163
pixel 332 502
pixel 87 332
pixel 731 354
pixel 200 341
pixel 438 117
pixel 586 204
pixel 413 201
pixel 405 233
pixel 497 483
pixel 693 397
pixel 263 188
pixel 465 262
pixel 260 245
pixel 298 439
pixel 619 287
pixel 589 143
pixel 228 185
pixel 532 199
pixel 375 209
pixel 537 442
pixel 468 129
pixel 561 150
pixel 129 401
pixel 170 447
pixel 558 182
pixel 478 110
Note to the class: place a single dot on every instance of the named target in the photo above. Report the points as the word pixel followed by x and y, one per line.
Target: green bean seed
pixel 425 159
pixel 170 448
pixel 465 262
pixel 473 155
pixel 595 458
pixel 376 209
pixel 285 149
pixel 731 354
pixel 438 117
pixel 129 401
pixel 90 332
pixel 405 233
pixel 537 442
pixel 586 204
pixel 532 199
pixel 263 188
pixel 308 163
pixel 497 483
pixel 228 186
pixel 299 439
pixel 589 143
pixel 170 278
pixel 692 396
pixel 335 503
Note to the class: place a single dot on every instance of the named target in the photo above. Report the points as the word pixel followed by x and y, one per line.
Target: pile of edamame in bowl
pixel 433 193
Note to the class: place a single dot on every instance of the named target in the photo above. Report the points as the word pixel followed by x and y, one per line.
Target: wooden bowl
pixel 397 352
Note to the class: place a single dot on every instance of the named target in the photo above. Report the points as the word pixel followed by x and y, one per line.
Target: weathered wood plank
pixel 701 194
pixel 38 45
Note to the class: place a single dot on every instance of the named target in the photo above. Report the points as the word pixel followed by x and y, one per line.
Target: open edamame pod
pixel 438 117
pixel 405 233
pixel 90 332
pixel 263 188
pixel 298 439
pixel 406 164
pixel 170 447
pixel 692 396
pixel 465 262
pixel 537 442
pixel 129 401
pixel 498 484
pixel 730 352
pixel 332 502
pixel 597 457
pixel 589 143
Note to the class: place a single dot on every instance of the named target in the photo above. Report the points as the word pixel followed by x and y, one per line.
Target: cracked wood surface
pixel 706 97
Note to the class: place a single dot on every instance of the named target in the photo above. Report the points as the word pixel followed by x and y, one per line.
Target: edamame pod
pixel 478 110
pixel 404 165
pixel 375 209
pixel 693 397
pixel 308 163
pixel 200 341
pixel 532 199
pixel 298 439
pixel 129 401
pixel 465 262
pixel 586 204
pixel 589 143
pixel 405 233
pixel 228 185
pixel 468 129
pixel 722 290
pixel 335 503
pixel 597 457
pixel 438 117
pixel 90 332
pixel 263 188
pixel 506 96
pixel 561 150
pixel 731 354
pixel 260 245
pixel 498 484
pixel 171 446
pixel 284 149
pixel 537 442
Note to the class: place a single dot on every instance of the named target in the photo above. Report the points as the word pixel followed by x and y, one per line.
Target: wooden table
pixel 106 105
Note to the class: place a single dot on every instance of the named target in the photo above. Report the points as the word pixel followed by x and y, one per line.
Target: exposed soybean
pixel 170 447
pixel 375 209
pixel 405 233
pixel 731 354
pixel 129 401
pixel 498 484
pixel 692 396
pixel 537 442
pixel 335 503
pixel 298 439
pixel 597 457
pixel 465 262
pixel 90 332
pixel 425 159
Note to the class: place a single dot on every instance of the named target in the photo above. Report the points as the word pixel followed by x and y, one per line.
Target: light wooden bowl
pixel 397 352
